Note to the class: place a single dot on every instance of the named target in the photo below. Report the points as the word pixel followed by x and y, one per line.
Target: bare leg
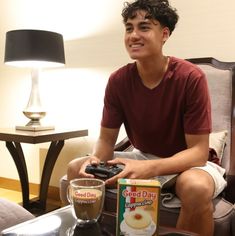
pixel 74 167
pixel 195 189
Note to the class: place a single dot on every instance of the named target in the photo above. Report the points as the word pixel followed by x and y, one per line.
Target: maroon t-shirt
pixel 156 120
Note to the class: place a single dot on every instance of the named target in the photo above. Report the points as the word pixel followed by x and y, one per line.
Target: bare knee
pixel 195 187
pixel 72 169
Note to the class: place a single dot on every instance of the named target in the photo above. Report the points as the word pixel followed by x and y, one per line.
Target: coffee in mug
pixel 86 196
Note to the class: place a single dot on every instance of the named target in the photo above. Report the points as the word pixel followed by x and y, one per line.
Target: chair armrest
pixel 123 145
pixel 230 189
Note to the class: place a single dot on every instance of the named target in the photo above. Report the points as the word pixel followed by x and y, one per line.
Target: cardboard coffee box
pixel 138 207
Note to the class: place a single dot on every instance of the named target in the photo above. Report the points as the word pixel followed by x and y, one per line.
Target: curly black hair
pixel 159 10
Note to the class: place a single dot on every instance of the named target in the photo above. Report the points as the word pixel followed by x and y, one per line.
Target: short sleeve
pixel 197 116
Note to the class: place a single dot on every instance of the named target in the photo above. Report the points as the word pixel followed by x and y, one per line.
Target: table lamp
pixel 35 49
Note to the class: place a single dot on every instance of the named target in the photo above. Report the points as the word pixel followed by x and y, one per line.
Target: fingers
pixel 115 178
pixel 117 161
pixel 93 161
pixel 112 180
pixel 86 175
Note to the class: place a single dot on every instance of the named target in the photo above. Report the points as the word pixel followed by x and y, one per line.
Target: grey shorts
pixel 213 169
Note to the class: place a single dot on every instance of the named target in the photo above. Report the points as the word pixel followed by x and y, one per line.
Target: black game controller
pixel 103 171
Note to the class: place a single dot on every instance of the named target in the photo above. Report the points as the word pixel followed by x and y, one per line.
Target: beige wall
pixel 93 45
pixel 206 28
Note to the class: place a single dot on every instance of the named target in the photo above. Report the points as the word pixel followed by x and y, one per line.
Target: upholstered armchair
pixel 221 82
pixel 12 214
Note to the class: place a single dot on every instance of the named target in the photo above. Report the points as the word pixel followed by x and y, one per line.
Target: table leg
pixel 52 155
pixel 17 154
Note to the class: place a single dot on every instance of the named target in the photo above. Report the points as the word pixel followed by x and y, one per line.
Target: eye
pixel 144 27
pixel 129 29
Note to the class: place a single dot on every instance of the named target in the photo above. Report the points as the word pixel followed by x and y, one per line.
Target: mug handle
pixel 68 194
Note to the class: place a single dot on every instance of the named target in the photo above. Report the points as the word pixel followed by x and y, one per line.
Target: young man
pixel 164 105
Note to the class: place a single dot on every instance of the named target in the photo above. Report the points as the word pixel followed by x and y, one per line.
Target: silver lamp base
pixel 34 128
pixel 34 111
pixel 34 125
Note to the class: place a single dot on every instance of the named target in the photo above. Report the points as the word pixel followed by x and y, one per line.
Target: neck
pixel 152 71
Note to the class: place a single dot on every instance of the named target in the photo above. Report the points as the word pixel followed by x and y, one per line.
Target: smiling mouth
pixel 139 45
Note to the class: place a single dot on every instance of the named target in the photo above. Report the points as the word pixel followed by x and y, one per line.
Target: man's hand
pixel 93 160
pixel 133 169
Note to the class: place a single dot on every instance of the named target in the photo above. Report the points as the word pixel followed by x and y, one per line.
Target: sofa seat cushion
pixel 12 214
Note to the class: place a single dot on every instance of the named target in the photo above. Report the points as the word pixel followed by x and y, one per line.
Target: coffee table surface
pixel 64 224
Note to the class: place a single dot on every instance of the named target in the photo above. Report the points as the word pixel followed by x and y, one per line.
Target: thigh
pixel 130 155
pixel 217 174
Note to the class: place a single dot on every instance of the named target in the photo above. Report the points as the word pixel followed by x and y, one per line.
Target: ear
pixel 165 33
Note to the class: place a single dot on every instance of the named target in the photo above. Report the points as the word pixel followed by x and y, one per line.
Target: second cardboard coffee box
pixel 138 207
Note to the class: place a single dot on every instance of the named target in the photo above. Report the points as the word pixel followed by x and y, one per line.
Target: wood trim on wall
pixel 13 184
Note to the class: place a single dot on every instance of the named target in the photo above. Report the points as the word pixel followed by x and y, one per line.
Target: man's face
pixel 144 37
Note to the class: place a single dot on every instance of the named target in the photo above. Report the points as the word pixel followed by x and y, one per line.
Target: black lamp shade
pixel 34 45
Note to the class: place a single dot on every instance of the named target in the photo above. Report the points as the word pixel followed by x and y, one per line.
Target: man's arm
pixel 195 155
pixel 104 146
pixel 103 151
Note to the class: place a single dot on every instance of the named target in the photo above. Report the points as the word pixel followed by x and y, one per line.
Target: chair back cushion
pixel 220 88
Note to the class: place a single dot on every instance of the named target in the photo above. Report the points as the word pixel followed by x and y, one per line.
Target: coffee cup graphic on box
pixel 138 207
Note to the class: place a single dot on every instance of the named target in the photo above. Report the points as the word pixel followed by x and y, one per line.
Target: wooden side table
pixel 14 138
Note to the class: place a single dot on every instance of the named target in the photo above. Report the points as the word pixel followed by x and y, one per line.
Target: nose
pixel 134 35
